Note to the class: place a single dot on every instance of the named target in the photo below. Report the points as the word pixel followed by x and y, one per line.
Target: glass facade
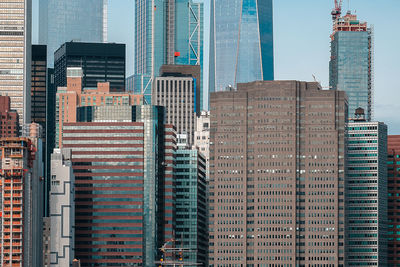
pixel 61 21
pixel 123 160
pixel 393 235
pixel 189 36
pixel 351 68
pixel 241 42
pixel 366 194
pixel 191 211
pixel 167 32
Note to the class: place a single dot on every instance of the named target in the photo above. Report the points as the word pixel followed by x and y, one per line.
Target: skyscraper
pixel 166 32
pixel 100 62
pixel 351 64
pixel 176 89
pixel 38 87
pixel 62 21
pixel 123 162
pixel 69 98
pixel 366 193
pixel 277 175
pixel 21 173
pixel 15 65
pixel 241 42
pixel 393 234
pixel 191 203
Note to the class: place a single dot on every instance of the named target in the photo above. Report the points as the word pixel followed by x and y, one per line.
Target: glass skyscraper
pixel 62 21
pixel 166 32
pixel 191 203
pixel 366 194
pixel 241 42
pixel 351 64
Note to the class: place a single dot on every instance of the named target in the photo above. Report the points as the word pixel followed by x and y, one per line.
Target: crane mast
pixel 337 11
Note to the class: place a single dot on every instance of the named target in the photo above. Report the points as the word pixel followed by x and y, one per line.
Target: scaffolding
pixel 16 155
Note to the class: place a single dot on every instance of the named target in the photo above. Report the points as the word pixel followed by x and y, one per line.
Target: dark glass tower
pixel 241 42
pixel 38 85
pixel 100 62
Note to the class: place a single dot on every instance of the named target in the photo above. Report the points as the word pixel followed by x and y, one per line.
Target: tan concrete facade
pixel 277 152
pixel 73 96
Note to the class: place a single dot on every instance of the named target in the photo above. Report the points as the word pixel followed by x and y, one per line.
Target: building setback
pixel 15 67
pixel 277 170
pixel 74 95
pixel 100 62
pixel 62 209
pixel 191 204
pixel 123 161
pixel 366 194
pixel 393 200
pixel 9 123
pixel 351 63
pixel 241 42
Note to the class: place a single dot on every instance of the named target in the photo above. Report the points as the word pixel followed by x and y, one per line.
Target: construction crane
pixel 337 11
pixel 169 256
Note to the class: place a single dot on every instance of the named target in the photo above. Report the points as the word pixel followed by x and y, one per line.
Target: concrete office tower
pixel 38 87
pixel 62 209
pixel 191 204
pixel 366 193
pixel 9 126
pixel 241 42
pixel 61 21
pixel 21 192
pixel 15 54
pixel 123 162
pixel 69 98
pixel 166 32
pixel 277 169
pixel 176 89
pixel 351 64
pixel 202 138
pixel 393 193
pixel 99 63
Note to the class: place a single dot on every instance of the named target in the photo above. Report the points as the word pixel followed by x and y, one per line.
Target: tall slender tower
pixel 241 42
pixel 351 63
pixel 167 32
pixel 15 54
pixel 366 193
pixel 61 21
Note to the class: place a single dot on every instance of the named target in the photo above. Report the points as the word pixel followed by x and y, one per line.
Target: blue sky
pixel 301 40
